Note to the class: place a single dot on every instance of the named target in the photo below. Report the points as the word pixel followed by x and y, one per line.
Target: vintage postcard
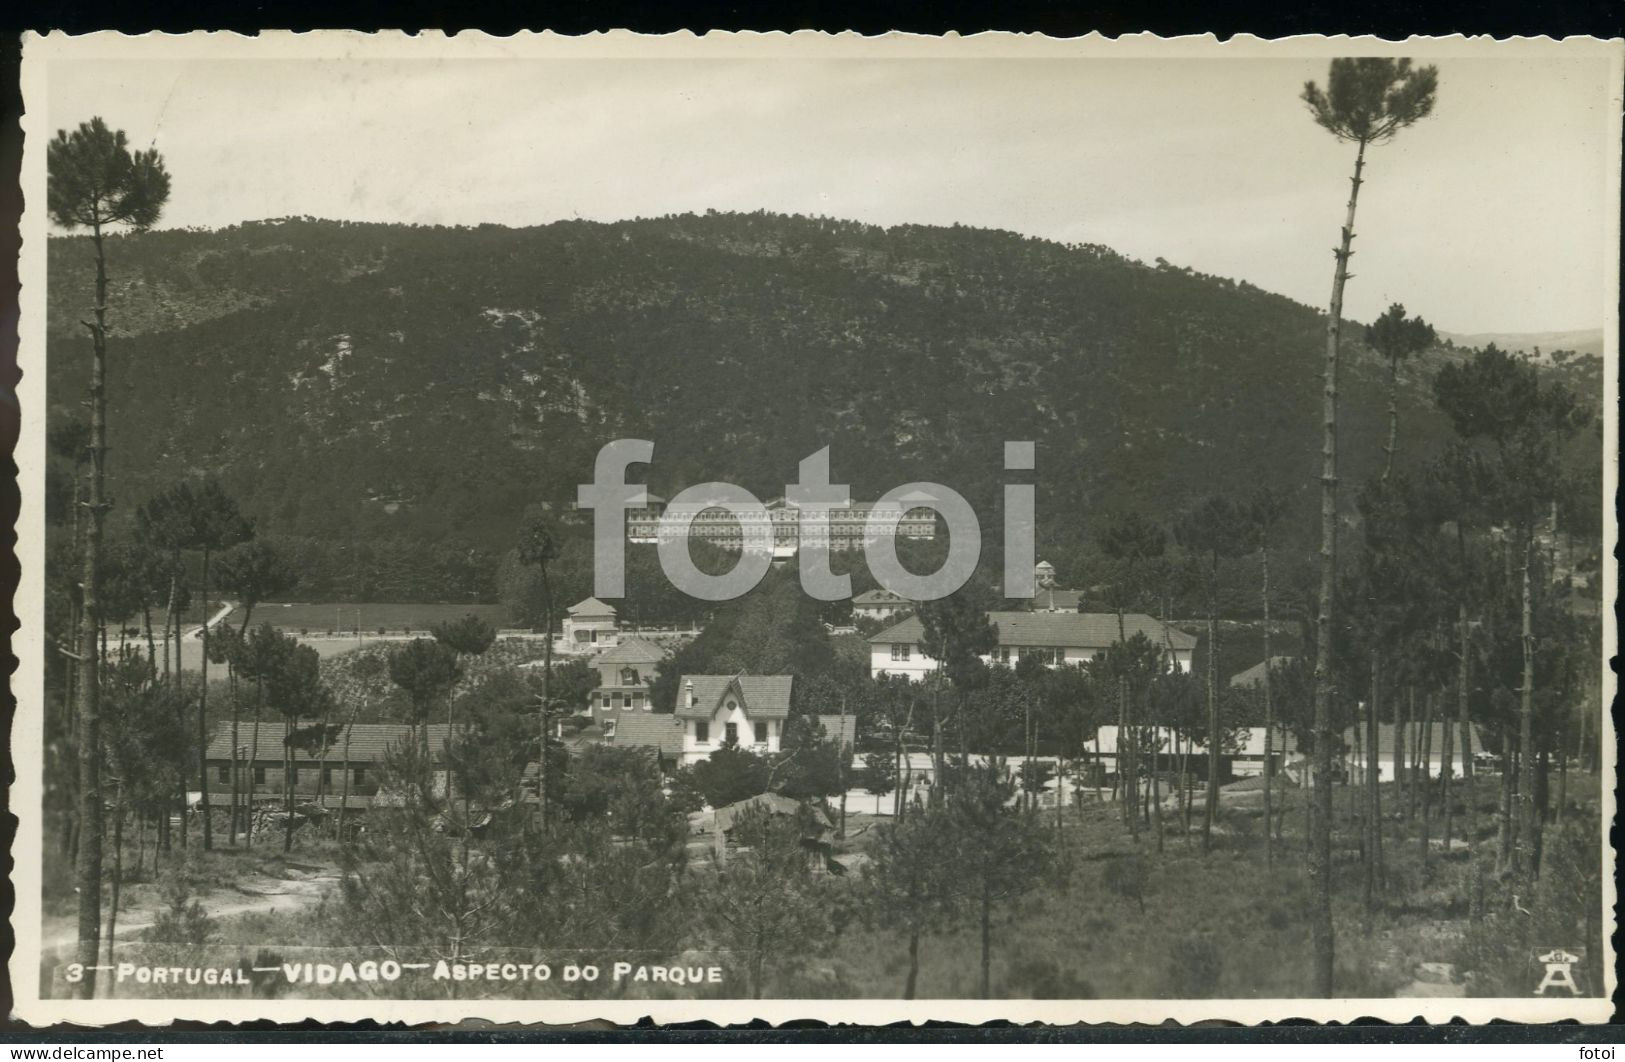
pixel 811 526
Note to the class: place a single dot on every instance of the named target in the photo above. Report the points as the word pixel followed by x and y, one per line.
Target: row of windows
pixel 901 652
pixel 223 773
pixel 615 699
pixel 702 732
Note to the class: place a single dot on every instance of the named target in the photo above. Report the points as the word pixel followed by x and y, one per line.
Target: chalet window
pixel 702 733
pixel 629 676
pixel 731 732
pixel 761 733
pixel 224 772
pixel 259 776
pixel 1002 654
pixel 360 775
pixel 900 652
pixel 327 776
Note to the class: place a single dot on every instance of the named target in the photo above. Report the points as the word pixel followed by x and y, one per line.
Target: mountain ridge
pixel 360 384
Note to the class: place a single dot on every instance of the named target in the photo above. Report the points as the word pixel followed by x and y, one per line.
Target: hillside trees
pixel 956 633
pixel 252 572
pixel 1264 512
pixel 1214 530
pixel 907 884
pixel 538 548
pixel 1521 422
pixel 1134 544
pixel 1396 337
pixel 1366 101
pixel 94 181
pixel 993 854
pixel 425 669
pixel 216 524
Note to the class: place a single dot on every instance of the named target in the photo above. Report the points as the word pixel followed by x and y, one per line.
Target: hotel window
pixel 731 732
pixel 1002 654
pixel 761 733
pixel 259 776
pixel 702 733
pixel 327 776
pixel 899 652
pixel 224 773
pixel 360 775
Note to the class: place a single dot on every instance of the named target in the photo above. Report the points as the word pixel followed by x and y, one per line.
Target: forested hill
pixel 373 385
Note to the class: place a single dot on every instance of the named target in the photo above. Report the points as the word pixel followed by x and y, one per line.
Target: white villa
pixel 1053 637
pixel 750 710
pixel 880 605
pixel 590 624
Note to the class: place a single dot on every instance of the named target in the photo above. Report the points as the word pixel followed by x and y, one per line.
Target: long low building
pixel 350 766
pixel 1053 637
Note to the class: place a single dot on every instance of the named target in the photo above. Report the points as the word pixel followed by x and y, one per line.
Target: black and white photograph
pixel 812 526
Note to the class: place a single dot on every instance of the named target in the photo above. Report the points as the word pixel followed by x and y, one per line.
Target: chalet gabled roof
pixel 834 731
pixel 632 651
pixel 879 597
pixel 657 730
pixel 591 607
pixel 761 696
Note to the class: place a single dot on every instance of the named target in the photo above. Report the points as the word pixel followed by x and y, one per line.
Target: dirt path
pixel 256 894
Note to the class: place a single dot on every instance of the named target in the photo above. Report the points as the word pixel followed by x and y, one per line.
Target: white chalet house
pixel 590 624
pixel 1053 637
pixel 749 709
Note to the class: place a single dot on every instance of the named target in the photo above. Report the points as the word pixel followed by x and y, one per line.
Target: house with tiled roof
pixel 661 733
pixel 748 710
pixel 880 604
pixel 349 766
pixel 626 676
pixel 1052 637
pixel 590 624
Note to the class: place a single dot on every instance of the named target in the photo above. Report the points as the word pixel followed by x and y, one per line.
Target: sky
pixel 1490 216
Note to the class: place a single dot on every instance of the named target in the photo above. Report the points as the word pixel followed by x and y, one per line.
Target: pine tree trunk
pixel 1393 419
pixel 1320 852
pixel 987 939
pixel 118 875
pixel 1412 719
pixel 913 981
pixel 88 863
pixel 1427 781
pixel 254 759
pixel 202 718
pixel 1447 767
pixel 1269 717
pixel 547 707
pixel 1523 847
pixel 1399 751
pixel 1211 808
pixel 1373 768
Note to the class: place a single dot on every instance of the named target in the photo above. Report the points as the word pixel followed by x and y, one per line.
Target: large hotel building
pixel 779 528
